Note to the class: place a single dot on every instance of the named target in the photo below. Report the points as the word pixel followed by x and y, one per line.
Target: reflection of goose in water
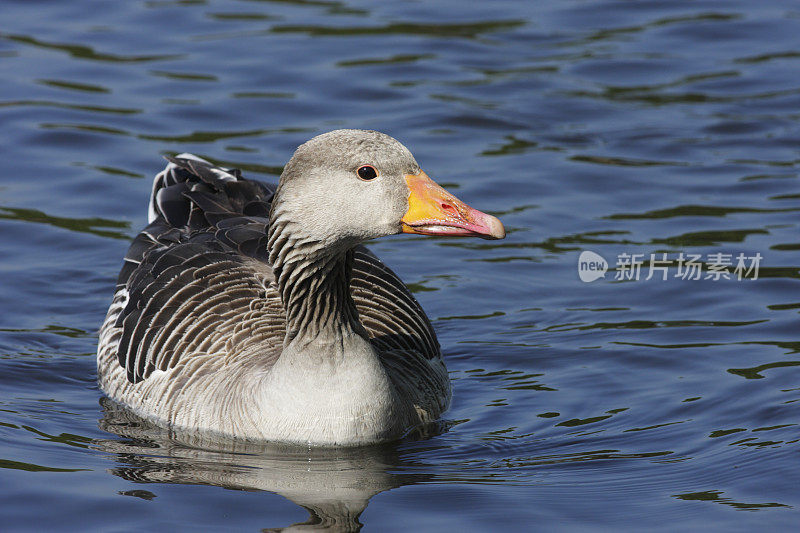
pixel 253 311
pixel 333 484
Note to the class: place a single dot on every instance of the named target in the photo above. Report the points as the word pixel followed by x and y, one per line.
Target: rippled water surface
pixel 614 127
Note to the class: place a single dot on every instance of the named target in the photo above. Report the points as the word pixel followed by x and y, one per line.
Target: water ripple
pixel 80 51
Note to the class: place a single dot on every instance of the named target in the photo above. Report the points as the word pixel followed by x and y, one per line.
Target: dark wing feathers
pixel 247 235
pixel 387 309
pixel 182 302
pixel 173 205
pixel 198 279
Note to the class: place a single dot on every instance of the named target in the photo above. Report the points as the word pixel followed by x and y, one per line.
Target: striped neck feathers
pixel 313 278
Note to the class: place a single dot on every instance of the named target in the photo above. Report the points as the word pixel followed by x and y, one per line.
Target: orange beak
pixel 434 211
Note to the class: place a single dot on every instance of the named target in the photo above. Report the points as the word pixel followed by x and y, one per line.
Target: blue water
pixel 614 127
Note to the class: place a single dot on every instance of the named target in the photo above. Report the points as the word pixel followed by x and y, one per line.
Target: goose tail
pixel 168 198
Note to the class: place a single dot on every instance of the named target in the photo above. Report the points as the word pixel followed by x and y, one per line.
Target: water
pixel 614 127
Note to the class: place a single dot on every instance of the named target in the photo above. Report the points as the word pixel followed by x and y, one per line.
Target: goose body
pixel 253 311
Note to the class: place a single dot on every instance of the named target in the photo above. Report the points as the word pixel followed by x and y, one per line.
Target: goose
pixel 253 311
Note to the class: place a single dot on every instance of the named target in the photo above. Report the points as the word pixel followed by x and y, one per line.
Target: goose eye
pixel 367 172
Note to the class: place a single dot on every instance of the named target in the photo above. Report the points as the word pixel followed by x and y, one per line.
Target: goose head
pixel 348 186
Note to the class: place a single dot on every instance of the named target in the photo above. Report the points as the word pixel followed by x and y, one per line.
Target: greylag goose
pixel 253 311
